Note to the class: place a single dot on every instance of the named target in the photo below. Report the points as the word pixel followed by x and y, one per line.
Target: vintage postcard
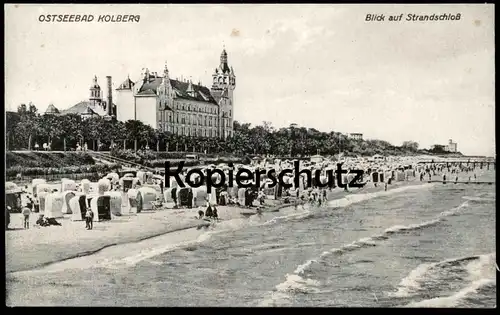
pixel 250 155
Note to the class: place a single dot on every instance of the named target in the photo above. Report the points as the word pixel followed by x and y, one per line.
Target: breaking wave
pixel 295 282
pixel 479 270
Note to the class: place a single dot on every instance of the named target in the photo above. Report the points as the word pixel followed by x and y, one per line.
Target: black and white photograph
pixel 250 155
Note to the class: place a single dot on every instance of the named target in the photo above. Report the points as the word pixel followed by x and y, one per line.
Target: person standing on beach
pixel 89 217
pixel 36 205
pixel 7 217
pixel 26 214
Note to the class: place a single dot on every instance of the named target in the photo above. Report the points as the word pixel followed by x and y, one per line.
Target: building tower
pixel 109 103
pixel 223 85
pixel 95 93
pixel 165 91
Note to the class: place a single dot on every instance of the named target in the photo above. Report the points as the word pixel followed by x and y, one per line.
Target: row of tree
pixel 64 132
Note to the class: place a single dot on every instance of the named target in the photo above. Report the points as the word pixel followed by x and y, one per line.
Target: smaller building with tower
pixel 96 104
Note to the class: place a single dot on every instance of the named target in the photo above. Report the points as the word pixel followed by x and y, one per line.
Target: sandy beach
pixel 40 246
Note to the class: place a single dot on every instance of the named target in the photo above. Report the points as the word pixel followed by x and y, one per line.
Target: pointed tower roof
pixel 190 88
pixel 95 85
pixel 223 61
pixel 165 70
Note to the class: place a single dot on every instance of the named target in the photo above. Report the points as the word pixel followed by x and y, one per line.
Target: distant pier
pixel 481 163
pixel 460 182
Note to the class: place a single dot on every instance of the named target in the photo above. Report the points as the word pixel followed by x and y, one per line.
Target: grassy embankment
pixel 53 164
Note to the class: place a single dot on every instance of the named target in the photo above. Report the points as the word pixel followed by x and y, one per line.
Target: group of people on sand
pixel 210 213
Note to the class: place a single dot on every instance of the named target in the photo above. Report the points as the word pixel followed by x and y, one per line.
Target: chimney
pixel 110 97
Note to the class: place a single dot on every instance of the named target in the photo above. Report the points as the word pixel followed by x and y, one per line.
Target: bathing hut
pixel 212 198
pixel 233 191
pixel 194 179
pixel 345 179
pixel 350 177
pixel 115 202
pixel 381 177
pixel 159 180
pixel 167 194
pixel 199 196
pixel 68 184
pixel 100 205
pixel 43 188
pixel 400 176
pixel 288 180
pixel 113 178
pixel 141 175
pixel 135 201
pixel 317 158
pixel 148 195
pixel 387 175
pixel 250 195
pixel 325 180
pixel 173 182
pixel 127 183
pixel 103 185
pixel 241 196
pixel 41 200
pixel 53 205
pixel 157 189
pixel 35 182
pixel 216 178
pixel 303 182
pixel 185 197
pixel 125 210
pixel 13 197
pixel 78 206
pixel 149 178
pixel 266 187
pixel 410 173
pixel 67 196
pixel 85 186
pixel 12 186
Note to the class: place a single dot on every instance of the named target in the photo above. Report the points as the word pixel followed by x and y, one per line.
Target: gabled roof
pixel 81 108
pixel 52 110
pixel 202 93
pixel 126 85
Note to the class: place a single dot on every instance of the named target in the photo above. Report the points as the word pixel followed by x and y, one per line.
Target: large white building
pixel 180 106
pixel 451 146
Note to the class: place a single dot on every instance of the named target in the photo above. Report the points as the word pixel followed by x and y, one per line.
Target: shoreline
pixel 39 247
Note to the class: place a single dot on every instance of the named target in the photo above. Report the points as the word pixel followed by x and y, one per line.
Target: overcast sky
pixel 320 66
